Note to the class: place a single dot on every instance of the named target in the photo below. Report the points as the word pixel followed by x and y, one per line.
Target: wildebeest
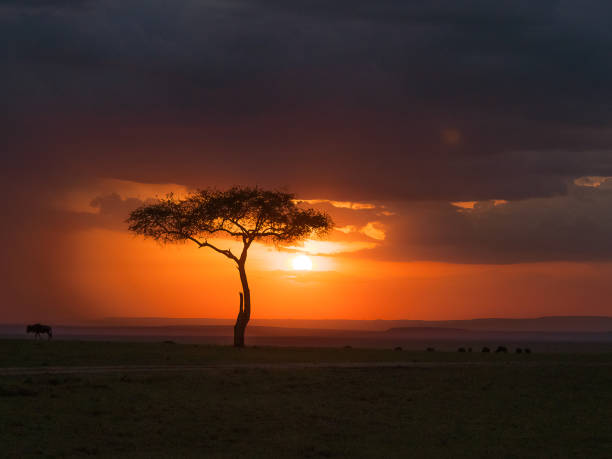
pixel 430 349
pixel 519 350
pixel 486 349
pixel 398 348
pixel 461 349
pixel 501 349
pixel 39 329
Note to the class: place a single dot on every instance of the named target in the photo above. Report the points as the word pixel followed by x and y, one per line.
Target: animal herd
pixel 504 350
pixel 499 350
pixel 39 329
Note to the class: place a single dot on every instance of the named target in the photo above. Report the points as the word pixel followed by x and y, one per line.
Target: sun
pixel 301 263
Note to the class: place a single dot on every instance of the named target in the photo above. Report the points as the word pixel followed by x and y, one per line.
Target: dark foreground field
pixel 443 405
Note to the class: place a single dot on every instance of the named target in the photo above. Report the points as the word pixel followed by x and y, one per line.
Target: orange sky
pixel 117 274
pixel 86 265
pixel 467 167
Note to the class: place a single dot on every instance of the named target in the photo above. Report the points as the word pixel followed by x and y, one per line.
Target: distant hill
pixel 545 324
pixel 428 331
pixel 550 334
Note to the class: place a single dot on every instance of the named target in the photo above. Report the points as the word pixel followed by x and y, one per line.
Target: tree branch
pixel 266 234
pixel 228 253
pixel 242 228
pixel 231 233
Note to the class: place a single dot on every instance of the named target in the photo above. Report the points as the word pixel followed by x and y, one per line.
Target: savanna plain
pixel 116 399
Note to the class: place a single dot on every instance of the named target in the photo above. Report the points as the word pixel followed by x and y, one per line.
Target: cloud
pixel 115 205
pixel 591 181
pixel 38 4
pixel 314 247
pixel 341 204
pixel 478 205
pixel 355 101
pixel 389 110
pixel 571 227
pixel 346 229
pixel 374 230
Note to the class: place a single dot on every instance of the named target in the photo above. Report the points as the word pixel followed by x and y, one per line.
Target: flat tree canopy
pixel 244 213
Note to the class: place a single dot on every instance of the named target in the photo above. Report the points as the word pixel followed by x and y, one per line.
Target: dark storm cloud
pixel 573 227
pixel 25 4
pixel 399 101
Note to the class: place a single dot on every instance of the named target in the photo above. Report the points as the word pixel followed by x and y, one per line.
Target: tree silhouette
pixel 244 213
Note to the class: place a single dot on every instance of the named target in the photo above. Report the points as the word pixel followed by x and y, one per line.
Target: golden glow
pixel 331 247
pixel 471 205
pixel 374 230
pixel 352 205
pixel 464 204
pixel 594 181
pixel 112 274
pixel 301 263
pixel 346 229
pixel 340 204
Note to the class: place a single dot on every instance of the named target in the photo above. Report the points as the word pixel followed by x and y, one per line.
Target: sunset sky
pixel 463 149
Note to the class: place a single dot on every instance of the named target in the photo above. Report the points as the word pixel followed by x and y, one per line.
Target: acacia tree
pixel 243 213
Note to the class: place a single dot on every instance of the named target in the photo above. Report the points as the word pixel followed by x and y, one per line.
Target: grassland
pixel 31 353
pixel 549 405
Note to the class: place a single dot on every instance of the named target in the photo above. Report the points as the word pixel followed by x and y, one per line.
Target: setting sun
pixel 301 263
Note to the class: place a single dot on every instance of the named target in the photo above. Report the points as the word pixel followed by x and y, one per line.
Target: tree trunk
pixel 244 314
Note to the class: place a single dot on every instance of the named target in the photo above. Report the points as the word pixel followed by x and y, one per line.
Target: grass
pixel 30 353
pixel 558 409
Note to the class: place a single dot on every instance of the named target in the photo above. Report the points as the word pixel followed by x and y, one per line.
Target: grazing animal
pixel 469 349
pixel 527 350
pixel 398 348
pixel 39 329
pixel 519 350
pixel 486 349
pixel 430 349
pixel 461 349
pixel 501 349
